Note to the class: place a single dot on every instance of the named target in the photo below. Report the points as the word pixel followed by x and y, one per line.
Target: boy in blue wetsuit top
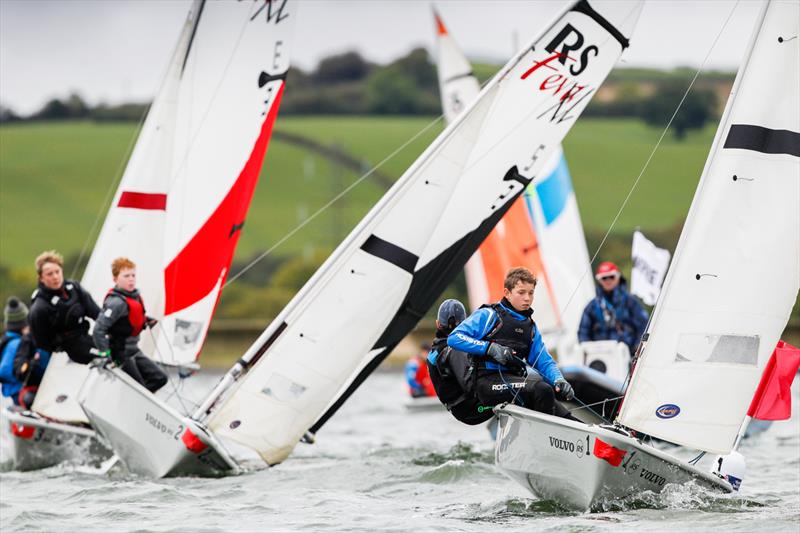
pixel 503 339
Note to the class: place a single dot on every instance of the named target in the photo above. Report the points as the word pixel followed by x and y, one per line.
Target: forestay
pixel 541 231
pixel 736 272
pixel 381 280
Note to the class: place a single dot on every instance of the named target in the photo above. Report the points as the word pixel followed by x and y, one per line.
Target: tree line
pixel 348 84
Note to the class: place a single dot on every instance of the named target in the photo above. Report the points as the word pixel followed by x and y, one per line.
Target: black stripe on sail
pixel 191 37
pixel 391 253
pixel 426 287
pixel 459 76
pixel 265 78
pixel 764 140
pixel 584 7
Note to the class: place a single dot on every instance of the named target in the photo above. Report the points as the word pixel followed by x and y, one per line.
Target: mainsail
pixel 392 267
pixel 736 271
pixel 542 230
pixel 182 201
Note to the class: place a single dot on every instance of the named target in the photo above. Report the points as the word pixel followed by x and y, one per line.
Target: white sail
pixel 235 75
pixel 566 267
pixel 381 280
pixel 544 232
pixel 181 203
pixel 458 86
pixel 736 271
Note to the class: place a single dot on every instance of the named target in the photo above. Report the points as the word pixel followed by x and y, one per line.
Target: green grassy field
pixel 54 177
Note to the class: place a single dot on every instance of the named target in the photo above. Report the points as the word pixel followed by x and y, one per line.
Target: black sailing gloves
pixel 563 390
pixel 504 356
pixel 501 354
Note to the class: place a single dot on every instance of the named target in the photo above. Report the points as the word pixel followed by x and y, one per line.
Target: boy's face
pixel 521 296
pixel 126 279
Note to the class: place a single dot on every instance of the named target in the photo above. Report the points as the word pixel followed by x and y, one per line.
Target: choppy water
pixel 376 466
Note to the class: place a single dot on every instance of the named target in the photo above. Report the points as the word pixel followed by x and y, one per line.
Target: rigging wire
pixel 319 211
pixel 333 200
pixel 175 388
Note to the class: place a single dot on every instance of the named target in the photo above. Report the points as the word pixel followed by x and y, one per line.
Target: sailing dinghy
pixel 228 86
pixel 56 429
pixel 380 281
pixel 727 298
pixel 177 212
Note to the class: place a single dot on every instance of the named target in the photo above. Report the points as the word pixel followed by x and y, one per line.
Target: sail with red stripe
pixel 224 90
pixel 183 199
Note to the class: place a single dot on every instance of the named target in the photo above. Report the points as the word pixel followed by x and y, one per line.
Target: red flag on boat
pixel 607 452
pixel 773 398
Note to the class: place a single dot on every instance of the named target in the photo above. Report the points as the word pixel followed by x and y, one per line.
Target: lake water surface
pixel 378 467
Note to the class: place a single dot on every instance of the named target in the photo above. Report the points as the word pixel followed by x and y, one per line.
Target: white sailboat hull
pixel 37 442
pixel 556 459
pixel 150 437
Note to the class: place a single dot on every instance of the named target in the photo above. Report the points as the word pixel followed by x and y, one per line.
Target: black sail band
pixel 584 7
pixel 764 140
pixel 391 253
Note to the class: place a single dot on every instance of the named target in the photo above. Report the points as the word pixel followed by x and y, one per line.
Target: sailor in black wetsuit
pixel 116 332
pixel 60 310
pixel 451 371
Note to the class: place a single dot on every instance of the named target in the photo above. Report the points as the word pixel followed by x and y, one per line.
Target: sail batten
pixel 736 271
pixel 364 299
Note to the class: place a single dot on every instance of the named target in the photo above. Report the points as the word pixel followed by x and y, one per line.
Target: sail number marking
pixel 274 11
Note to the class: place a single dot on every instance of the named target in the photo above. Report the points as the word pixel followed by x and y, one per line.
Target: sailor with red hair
pixel 116 332
pixel 613 314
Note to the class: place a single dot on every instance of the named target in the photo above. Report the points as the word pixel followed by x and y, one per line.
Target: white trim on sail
pixel 380 281
pixel 736 271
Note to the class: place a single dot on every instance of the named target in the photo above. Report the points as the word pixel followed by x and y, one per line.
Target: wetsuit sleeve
pixel 541 360
pixel 92 309
pixel 7 361
pixel 585 327
pixel 113 310
pixel 468 336
pixel 40 328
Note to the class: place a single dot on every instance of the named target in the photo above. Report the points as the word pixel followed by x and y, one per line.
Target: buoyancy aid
pixel 134 322
pixel 511 331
